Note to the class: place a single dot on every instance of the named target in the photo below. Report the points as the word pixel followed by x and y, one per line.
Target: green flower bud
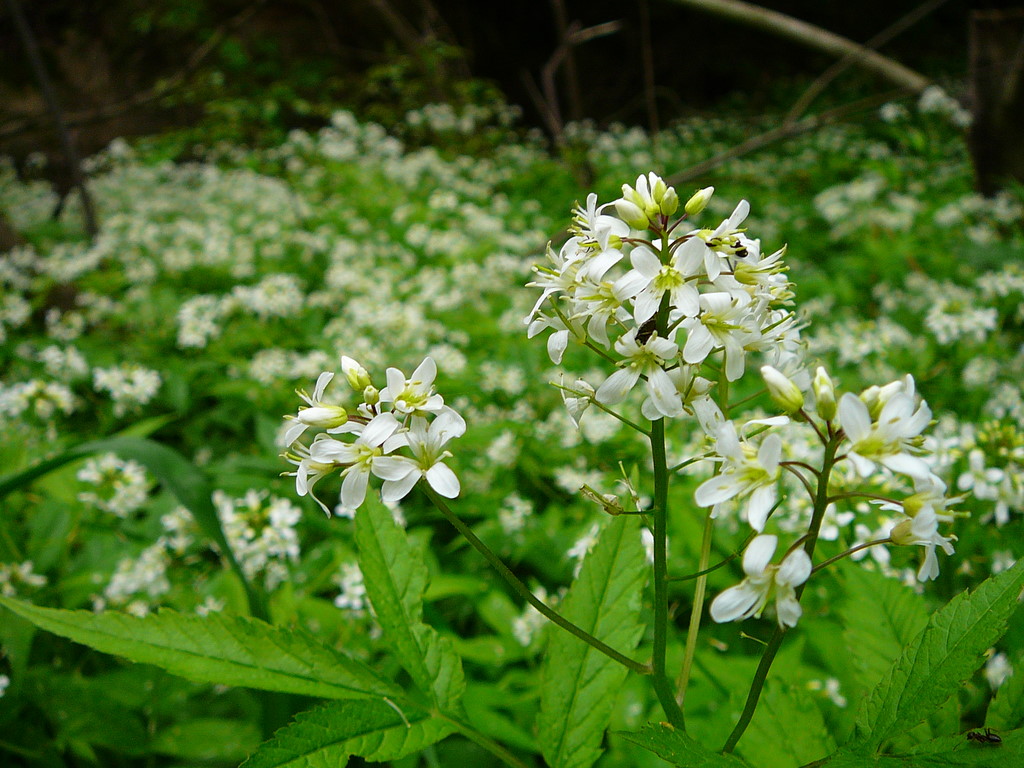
pixel 699 201
pixel 902 533
pixel 631 213
pixel 357 376
pixel 669 202
pixel 371 395
pixel 784 392
pixel 824 394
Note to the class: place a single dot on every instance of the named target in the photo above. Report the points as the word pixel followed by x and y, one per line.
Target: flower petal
pixel 443 480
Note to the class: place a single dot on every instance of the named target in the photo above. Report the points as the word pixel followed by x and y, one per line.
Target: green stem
pixel 719 564
pixel 524 592
pixel 821 502
pixel 662 687
pixel 697 612
pixel 849 552
pixel 483 741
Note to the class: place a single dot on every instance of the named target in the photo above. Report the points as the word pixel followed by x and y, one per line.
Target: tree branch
pixel 813 37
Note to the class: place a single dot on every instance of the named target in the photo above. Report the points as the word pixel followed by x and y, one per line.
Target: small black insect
pixel 645 331
pixel 985 737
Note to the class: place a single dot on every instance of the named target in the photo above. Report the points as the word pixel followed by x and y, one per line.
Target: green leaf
pixel 946 751
pixel 396 578
pixel 940 659
pixel 679 748
pixel 787 730
pixel 579 683
pixel 1007 708
pixel 230 650
pixel 208 739
pixel 960 751
pixel 877 630
pixel 328 735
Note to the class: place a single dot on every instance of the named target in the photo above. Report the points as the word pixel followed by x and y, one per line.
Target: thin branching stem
pixel 697 612
pixel 821 502
pixel 484 742
pixel 524 592
pixel 849 552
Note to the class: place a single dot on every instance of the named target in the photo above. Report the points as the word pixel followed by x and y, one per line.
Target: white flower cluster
pixel 260 530
pixel 14 576
pixel 687 298
pixel 352 597
pixel 711 293
pixel 129 386
pixel 146 575
pixel 121 487
pixel 38 398
pixel 400 433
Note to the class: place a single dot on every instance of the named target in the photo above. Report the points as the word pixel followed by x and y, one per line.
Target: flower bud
pixel 784 392
pixel 371 395
pixel 699 201
pixel 609 502
pixel 357 376
pixel 323 416
pixel 824 394
pixel 631 213
pixel 902 534
pixel 669 202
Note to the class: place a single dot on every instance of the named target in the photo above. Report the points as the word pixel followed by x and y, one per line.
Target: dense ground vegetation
pixel 218 286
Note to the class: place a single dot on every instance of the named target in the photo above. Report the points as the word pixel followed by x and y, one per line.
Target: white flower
pixel 750 596
pixel 887 439
pixel 746 470
pixel 316 413
pixel 923 530
pixel 358 457
pixel 309 471
pixel 649 280
pixel 721 323
pixel 414 396
pixel 643 359
pixel 426 443
pixel 595 226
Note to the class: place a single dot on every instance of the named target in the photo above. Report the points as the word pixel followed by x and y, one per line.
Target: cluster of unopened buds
pixel 683 310
pixel 397 434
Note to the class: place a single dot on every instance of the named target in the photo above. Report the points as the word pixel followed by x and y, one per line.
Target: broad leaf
pixel 396 578
pixel 946 751
pixel 961 751
pixel 579 683
pixel 217 649
pixel 679 748
pixel 940 659
pixel 328 735
pixel 876 630
pixel 787 730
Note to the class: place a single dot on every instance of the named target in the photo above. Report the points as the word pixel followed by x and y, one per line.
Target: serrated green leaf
pixel 876 630
pixel 230 650
pixel 940 659
pixel 960 751
pixel 396 578
pixel 679 748
pixel 208 739
pixel 1006 710
pixel 328 735
pixel 787 730
pixel 579 683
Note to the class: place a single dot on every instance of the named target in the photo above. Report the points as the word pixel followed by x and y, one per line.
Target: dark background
pixel 291 61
